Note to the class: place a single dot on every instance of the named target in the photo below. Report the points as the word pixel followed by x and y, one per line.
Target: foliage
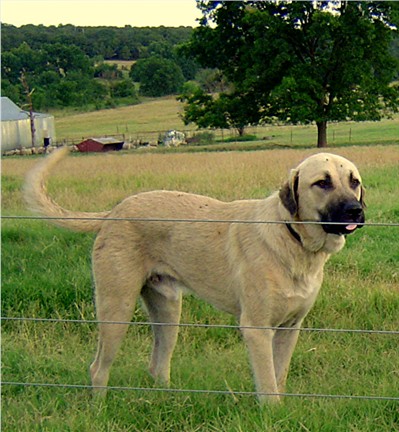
pixel 126 43
pixel 304 62
pixel 107 71
pixel 220 111
pixel 177 54
pixel 62 75
pixel 211 80
pixel 123 89
pixel 64 65
pixel 201 138
pixel 157 76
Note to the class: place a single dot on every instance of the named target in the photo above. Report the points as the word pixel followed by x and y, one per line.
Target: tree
pixel 225 110
pixel 31 114
pixel 124 88
pixel 61 76
pixel 157 76
pixel 304 61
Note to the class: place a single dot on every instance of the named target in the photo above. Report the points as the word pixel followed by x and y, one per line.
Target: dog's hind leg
pixel 117 289
pixel 164 306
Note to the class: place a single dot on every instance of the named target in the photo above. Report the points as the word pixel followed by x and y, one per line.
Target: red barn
pixel 100 145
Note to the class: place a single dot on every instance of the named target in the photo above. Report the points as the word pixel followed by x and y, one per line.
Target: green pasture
pixel 46 274
pixel 145 121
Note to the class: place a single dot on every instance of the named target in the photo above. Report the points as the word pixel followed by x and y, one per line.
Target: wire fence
pixel 201 391
pixel 199 325
pixel 174 220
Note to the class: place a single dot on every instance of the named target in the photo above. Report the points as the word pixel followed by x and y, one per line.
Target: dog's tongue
pixel 351 227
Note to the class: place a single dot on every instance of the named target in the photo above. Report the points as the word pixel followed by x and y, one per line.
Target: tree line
pixel 109 43
pixel 66 66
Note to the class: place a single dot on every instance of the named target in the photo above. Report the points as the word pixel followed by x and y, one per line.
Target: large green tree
pixel 157 76
pixel 224 110
pixel 304 61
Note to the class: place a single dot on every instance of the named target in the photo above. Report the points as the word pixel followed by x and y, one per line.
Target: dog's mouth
pixel 340 228
pixel 344 218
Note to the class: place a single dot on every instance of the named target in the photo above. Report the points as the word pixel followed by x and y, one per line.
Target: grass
pixel 144 122
pixel 46 273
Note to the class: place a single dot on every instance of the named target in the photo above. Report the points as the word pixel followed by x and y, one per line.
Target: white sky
pixel 137 13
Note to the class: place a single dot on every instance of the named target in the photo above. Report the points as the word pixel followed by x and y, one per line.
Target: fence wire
pixel 173 220
pixel 201 391
pixel 233 393
pixel 198 325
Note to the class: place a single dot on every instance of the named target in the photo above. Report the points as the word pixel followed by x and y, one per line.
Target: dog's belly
pixel 221 296
pixel 170 287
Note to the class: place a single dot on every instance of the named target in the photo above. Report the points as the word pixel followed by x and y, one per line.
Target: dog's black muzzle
pixel 343 218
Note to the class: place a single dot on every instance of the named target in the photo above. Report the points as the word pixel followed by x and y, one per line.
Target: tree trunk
pixel 31 114
pixel 240 130
pixel 321 134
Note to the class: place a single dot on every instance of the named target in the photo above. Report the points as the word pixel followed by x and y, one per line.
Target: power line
pixel 172 220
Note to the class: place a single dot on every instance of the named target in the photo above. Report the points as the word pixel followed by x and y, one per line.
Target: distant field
pixel 154 115
pixel 46 272
pixel 122 64
pixel 164 114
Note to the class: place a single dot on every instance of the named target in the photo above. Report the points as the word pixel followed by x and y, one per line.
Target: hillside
pixel 151 115
pixel 162 114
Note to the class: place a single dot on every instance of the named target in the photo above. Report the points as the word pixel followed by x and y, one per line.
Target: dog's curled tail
pixel 38 200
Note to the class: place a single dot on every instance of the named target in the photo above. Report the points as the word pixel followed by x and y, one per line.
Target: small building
pixel 16 128
pixel 104 144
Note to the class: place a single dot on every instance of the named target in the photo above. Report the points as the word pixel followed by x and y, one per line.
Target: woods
pixel 68 66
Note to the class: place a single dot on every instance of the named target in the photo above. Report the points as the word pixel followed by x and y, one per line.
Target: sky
pixel 137 13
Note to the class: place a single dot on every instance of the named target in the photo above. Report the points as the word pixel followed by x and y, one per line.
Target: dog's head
pixel 326 188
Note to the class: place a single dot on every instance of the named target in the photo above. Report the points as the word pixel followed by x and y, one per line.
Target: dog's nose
pixel 353 209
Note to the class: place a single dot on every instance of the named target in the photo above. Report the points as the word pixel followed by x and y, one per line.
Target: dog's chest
pixel 297 298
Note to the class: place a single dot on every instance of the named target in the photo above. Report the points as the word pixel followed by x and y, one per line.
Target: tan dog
pixel 267 275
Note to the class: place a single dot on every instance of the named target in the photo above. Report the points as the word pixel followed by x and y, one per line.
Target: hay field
pixel 163 114
pixel 159 114
pixel 99 181
pixel 46 273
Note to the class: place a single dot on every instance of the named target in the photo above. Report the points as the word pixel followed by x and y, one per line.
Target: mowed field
pixel 146 120
pixel 159 114
pixel 46 274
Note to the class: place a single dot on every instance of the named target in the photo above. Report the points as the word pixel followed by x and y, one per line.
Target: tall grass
pixel 46 273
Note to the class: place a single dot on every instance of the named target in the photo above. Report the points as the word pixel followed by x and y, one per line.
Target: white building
pixel 16 129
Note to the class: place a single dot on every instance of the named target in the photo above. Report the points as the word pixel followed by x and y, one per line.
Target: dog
pixel 260 260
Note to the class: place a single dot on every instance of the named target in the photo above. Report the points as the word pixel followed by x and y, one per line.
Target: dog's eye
pixel 355 183
pixel 323 184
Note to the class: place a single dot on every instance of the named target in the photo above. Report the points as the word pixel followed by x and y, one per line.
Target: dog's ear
pixel 289 193
pixel 362 194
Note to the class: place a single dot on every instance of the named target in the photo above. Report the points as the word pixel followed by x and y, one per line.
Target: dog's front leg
pixel 284 343
pixel 260 346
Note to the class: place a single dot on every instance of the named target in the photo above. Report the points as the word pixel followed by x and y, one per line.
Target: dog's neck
pixel 294 234
pixel 311 237
pixel 315 239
